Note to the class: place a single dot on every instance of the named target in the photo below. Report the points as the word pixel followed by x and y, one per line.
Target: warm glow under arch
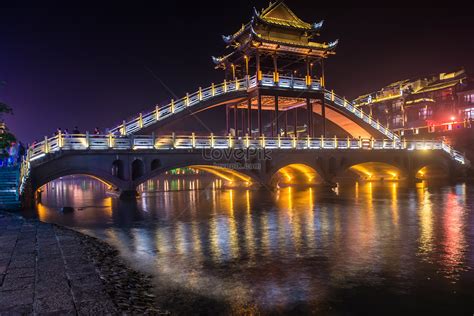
pixel 296 174
pixel 375 171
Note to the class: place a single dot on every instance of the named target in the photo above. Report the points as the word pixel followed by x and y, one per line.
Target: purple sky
pixel 94 66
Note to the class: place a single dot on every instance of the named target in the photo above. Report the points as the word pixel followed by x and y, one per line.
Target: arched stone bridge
pixel 126 162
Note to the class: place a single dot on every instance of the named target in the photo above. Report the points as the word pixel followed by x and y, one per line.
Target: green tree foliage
pixel 6 138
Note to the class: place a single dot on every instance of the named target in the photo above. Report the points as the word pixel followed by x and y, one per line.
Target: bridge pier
pixel 128 194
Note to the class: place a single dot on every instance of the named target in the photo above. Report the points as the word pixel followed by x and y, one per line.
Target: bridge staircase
pixel 9 184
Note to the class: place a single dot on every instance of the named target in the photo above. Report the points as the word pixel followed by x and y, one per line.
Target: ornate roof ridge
pixel 295 22
pixel 330 46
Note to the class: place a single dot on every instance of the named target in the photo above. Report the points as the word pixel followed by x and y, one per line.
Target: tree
pixel 6 138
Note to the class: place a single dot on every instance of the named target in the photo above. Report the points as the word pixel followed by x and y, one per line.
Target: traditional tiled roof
pixel 414 86
pixel 279 14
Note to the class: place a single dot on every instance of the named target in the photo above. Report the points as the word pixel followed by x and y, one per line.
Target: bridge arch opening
pixel 434 171
pixel 118 169
pixel 371 171
pixel 75 176
pixel 295 175
pixel 138 169
pixel 231 177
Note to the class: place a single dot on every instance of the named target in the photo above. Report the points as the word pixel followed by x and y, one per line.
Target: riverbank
pixel 46 268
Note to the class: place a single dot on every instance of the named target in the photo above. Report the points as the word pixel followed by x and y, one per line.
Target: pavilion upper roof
pixel 277 28
pixel 278 13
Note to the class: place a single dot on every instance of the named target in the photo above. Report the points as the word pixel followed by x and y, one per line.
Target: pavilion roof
pixel 279 14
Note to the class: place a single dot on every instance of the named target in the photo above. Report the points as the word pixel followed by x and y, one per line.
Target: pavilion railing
pixel 84 142
pixel 175 106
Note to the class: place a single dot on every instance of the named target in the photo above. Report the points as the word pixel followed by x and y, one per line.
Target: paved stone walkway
pixel 44 270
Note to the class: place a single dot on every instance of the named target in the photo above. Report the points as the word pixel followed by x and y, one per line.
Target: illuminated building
pixel 433 104
pixel 438 106
pixel 277 46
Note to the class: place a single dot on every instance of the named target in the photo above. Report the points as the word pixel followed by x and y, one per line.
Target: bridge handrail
pixel 81 142
pixel 162 112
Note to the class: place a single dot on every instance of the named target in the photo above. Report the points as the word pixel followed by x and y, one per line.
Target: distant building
pixel 432 104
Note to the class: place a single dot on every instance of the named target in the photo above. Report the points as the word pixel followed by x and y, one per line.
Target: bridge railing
pixel 82 142
pixel 175 106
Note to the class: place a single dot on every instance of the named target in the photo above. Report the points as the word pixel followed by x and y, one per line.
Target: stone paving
pixel 44 270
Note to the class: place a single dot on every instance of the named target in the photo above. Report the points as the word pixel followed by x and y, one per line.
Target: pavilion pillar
pixel 272 121
pixel 236 128
pixel 277 116
pixel 242 119
pixel 295 127
pixel 249 116
pixel 227 119
pixel 259 73
pixel 323 99
pixel 309 108
pixel 275 69
pixel 259 113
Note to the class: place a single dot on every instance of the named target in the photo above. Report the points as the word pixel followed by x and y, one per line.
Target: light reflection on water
pixel 293 250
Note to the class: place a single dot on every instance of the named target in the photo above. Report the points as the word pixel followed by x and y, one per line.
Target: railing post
pixel 186 101
pixel 110 141
pixel 225 86
pixel 236 84
pixel 294 141
pixel 140 120
pixel 322 141
pixel 229 141
pixel 348 142
pixel 332 95
pixel 308 142
pixel 247 141
pixel 46 145
pixel 335 141
pixel 200 94
pixel 372 142
pixel 213 89
pixel 279 140
pixel 87 140
pixel 157 110
pixel 263 141
pixel 124 128
pixel 360 142
pixel 172 106
pixel 212 140
pixel 60 139
pixel 193 139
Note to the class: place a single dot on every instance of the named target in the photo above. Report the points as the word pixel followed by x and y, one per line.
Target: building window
pixel 469 113
pixel 397 120
pixel 425 113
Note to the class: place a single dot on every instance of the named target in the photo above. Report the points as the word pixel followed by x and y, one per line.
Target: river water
pixel 367 248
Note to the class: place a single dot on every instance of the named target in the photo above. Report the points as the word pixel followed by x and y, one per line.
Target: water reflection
pixel 293 250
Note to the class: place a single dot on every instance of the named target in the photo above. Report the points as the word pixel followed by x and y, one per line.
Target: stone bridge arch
pixel 229 174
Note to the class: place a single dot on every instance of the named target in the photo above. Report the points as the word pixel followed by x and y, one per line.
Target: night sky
pixel 94 66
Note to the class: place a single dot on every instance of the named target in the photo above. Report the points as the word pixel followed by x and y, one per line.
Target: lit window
pixel 425 113
pixel 469 113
